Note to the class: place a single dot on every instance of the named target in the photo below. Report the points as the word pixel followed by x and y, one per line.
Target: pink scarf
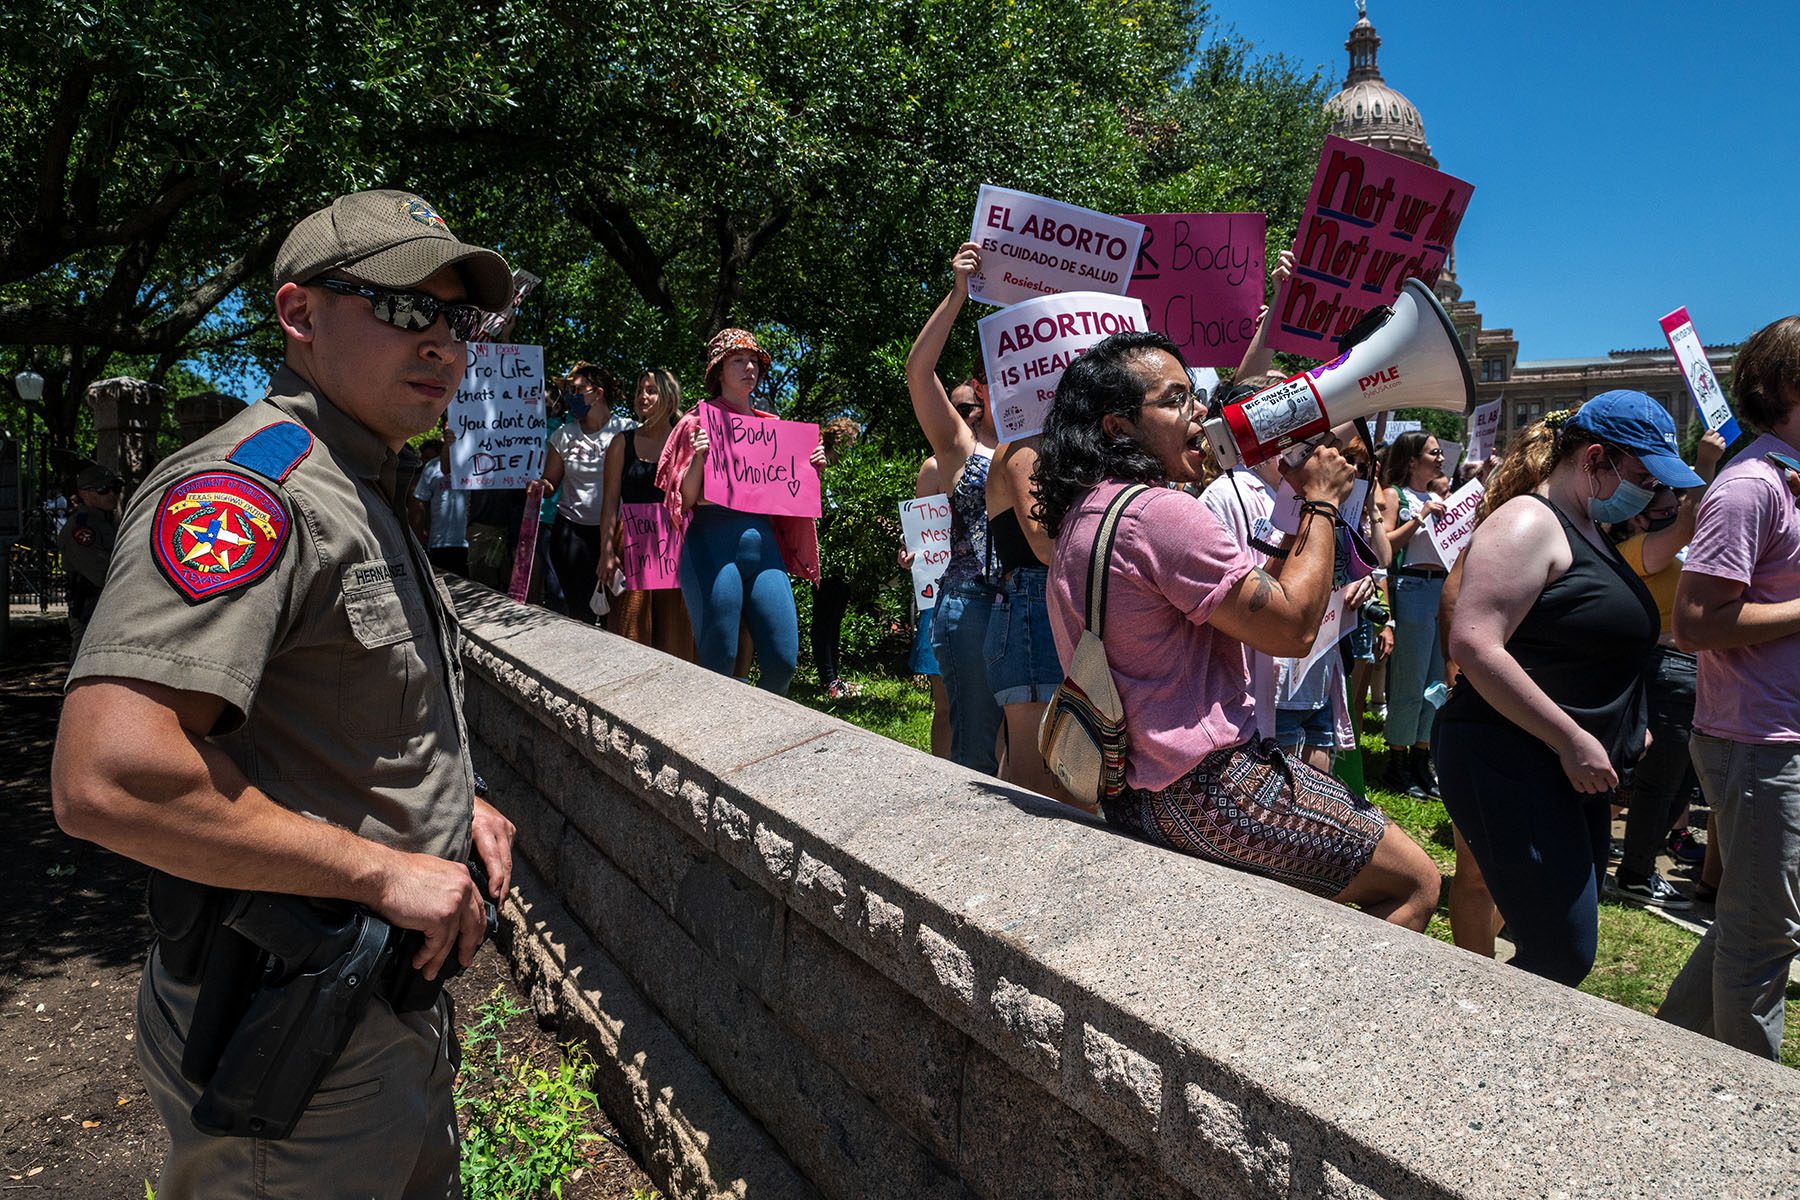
pixel 798 537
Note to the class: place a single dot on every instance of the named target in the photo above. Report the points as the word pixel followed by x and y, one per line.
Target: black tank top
pixel 1587 641
pixel 1008 543
pixel 637 482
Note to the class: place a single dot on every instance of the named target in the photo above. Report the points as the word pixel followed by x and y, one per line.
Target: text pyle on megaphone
pixel 1411 360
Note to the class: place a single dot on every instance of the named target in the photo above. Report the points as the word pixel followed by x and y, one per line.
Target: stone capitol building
pixel 1370 111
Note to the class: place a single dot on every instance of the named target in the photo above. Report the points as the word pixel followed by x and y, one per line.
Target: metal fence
pixel 31 515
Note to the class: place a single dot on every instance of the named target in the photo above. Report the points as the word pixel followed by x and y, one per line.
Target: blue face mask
pixel 1627 501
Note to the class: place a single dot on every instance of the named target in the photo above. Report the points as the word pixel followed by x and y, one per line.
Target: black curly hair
pixel 1076 452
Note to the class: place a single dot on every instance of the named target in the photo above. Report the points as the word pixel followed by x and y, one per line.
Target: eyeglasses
pixel 414 312
pixel 1185 402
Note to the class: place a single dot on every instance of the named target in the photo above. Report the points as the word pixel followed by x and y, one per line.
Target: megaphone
pixel 1411 360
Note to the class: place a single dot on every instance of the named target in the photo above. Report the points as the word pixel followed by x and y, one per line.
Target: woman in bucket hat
pixel 734 565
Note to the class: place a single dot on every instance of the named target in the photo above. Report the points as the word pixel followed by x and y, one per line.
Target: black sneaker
pixel 1426 774
pixel 1685 848
pixel 1654 891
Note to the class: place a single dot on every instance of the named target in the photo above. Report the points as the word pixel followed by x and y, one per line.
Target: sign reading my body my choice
pixel 1373 220
pixel 1200 276
pixel 759 464
pixel 1032 246
pixel 498 418
pixel 1028 346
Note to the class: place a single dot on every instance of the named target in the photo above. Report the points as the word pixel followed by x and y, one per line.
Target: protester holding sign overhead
pixel 959 424
pixel 577 461
pixel 1553 633
pixel 1415 585
pixel 1184 601
pixel 631 502
pixel 735 563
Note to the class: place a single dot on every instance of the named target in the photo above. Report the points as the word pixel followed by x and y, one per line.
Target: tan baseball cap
pixel 391 239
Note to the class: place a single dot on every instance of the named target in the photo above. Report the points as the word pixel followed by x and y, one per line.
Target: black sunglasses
pixel 414 312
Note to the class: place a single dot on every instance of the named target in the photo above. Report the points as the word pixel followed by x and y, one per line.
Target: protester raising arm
pixel 940 416
pixel 1257 355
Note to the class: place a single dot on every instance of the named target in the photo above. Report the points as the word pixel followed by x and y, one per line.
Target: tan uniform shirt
pixel 270 564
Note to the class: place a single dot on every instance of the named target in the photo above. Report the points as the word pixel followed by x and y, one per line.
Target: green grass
pixel 1639 954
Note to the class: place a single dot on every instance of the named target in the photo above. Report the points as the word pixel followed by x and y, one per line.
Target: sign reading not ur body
pixel 498 418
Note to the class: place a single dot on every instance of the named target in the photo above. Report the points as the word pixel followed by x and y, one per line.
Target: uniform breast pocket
pixel 383 678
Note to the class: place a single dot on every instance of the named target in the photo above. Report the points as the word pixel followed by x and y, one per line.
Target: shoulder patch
pixel 273 451
pixel 84 535
pixel 217 532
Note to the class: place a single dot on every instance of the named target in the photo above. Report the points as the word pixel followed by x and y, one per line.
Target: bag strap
pixel 1103 545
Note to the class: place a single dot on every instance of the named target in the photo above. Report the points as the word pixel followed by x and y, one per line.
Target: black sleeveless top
pixel 1587 641
pixel 1008 543
pixel 637 483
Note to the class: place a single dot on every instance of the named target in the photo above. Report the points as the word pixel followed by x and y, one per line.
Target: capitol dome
pixel 1371 112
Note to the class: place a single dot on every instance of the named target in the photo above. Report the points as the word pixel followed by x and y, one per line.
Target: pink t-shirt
pixel 1748 531
pixel 1185 685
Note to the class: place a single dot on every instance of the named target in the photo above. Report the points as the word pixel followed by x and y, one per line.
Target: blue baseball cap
pixel 1633 421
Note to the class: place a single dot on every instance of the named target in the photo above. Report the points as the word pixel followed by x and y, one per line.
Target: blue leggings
pixel 732 573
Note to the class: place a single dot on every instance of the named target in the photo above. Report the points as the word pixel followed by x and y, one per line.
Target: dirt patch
pixel 74 1119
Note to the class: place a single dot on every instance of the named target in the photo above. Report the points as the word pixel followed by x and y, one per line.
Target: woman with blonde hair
pixel 1553 632
pixel 650 617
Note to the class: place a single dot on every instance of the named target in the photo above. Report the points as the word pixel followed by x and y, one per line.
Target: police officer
pixel 86 543
pixel 269 695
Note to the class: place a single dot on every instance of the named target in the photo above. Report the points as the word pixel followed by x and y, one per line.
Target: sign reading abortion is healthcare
pixel 1200 276
pixel 1373 220
pixel 1028 346
pixel 1032 246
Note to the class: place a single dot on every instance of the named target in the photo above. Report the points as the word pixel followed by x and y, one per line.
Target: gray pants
pixel 1732 987
pixel 382 1124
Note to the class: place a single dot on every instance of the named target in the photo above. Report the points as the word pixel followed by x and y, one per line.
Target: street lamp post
pixel 30 386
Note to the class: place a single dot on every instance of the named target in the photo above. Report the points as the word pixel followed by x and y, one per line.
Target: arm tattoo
pixel 1263 590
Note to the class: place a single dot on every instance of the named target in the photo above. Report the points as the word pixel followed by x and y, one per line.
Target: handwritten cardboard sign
pixel 758 464
pixel 925 522
pixel 650 551
pixel 1484 431
pixel 1702 384
pixel 1028 346
pixel 498 418
pixel 1035 246
pixel 1200 276
pixel 1451 532
pixel 1373 220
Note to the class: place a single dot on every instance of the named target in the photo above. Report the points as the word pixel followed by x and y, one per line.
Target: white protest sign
pixel 1034 246
pixel 1453 453
pixel 1395 427
pixel 1205 381
pixel 1287 507
pixel 1452 531
pixel 498 418
pixel 1028 346
pixel 925 522
pixel 1337 622
pixel 1484 431
pixel 1702 384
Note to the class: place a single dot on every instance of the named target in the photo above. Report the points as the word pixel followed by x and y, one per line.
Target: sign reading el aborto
pixel 1028 346
pixel 1484 431
pixel 1709 397
pixel 497 416
pixel 925 523
pixel 759 464
pixel 1200 276
pixel 1373 220
pixel 650 551
pixel 1033 246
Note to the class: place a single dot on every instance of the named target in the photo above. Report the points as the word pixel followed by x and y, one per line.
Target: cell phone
pixel 1783 460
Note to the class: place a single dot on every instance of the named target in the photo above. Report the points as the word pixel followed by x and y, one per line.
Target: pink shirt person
pixel 1185 685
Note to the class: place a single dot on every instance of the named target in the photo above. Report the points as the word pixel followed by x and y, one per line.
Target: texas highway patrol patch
pixel 216 532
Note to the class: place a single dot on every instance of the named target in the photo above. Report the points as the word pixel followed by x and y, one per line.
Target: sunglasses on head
pixel 414 312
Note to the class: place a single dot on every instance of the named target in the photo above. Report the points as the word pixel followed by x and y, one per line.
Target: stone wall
pixel 813 962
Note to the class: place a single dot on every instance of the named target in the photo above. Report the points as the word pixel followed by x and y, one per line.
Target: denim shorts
pixel 1306 727
pixel 923 660
pixel 1022 667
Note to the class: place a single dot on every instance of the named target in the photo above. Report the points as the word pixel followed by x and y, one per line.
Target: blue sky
pixel 1627 158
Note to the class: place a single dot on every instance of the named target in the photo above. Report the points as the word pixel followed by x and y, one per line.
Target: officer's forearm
pixel 132 773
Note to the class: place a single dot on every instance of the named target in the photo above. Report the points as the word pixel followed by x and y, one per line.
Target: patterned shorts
pixel 1253 808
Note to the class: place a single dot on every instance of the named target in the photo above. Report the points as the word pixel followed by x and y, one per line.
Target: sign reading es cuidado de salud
pixel 1033 246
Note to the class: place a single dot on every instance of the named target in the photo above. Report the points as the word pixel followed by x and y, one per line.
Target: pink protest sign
pixel 759 464
pixel 1373 219
pixel 650 551
pixel 524 553
pixel 1200 276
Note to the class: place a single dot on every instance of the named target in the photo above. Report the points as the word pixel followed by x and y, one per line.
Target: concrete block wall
pixel 813 962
